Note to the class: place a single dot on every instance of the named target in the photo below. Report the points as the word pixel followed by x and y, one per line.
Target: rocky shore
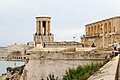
pixel 13 73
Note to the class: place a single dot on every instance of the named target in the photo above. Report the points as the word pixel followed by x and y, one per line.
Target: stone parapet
pixel 108 71
pixel 64 45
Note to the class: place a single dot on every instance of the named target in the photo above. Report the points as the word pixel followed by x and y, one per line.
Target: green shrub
pixel 81 72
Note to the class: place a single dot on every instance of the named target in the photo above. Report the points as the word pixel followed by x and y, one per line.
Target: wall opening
pixel 44 27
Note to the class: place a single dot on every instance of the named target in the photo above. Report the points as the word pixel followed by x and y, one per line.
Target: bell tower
pixel 43 33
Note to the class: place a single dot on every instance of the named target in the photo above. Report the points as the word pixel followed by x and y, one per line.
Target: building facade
pixel 17 51
pixel 14 52
pixel 102 33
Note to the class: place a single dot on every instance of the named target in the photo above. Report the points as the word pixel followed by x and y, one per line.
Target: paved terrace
pixel 110 71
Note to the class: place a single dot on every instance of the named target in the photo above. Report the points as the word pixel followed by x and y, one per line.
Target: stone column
pixel 101 28
pixel 107 26
pixel 48 27
pixel 37 27
pixel 97 29
pixel 86 30
pixel 93 29
pixel 46 31
pixel 41 27
pixel 90 30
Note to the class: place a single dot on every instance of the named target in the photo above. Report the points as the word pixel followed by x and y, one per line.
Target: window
pixel 91 30
pixel 101 30
pixel 98 30
pixel 88 30
pixel 114 29
pixel 105 28
pixel 109 27
pixel 95 30
pixel 44 27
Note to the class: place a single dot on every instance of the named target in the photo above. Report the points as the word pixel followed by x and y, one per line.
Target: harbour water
pixel 5 64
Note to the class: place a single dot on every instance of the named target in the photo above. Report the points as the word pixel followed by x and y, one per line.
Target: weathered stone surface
pixel 45 61
pixel 108 71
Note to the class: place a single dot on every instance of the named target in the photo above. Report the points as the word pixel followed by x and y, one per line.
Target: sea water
pixel 5 64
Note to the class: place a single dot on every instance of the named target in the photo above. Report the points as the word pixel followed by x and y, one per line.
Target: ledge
pixel 108 71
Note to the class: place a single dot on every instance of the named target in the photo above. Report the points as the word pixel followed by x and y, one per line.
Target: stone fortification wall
pixel 64 45
pixel 38 69
pixel 43 62
pixel 98 40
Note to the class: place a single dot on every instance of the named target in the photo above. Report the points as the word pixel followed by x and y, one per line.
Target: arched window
pixel 91 30
pixel 95 30
pixel 88 30
pixel 114 29
pixel 109 27
pixel 101 29
pixel 105 28
pixel 98 29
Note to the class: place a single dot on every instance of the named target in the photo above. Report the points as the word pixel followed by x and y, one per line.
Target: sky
pixel 68 17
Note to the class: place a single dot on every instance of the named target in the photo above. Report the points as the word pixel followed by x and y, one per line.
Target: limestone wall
pixel 64 45
pixel 42 62
pixel 98 40
pixel 43 38
pixel 37 69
